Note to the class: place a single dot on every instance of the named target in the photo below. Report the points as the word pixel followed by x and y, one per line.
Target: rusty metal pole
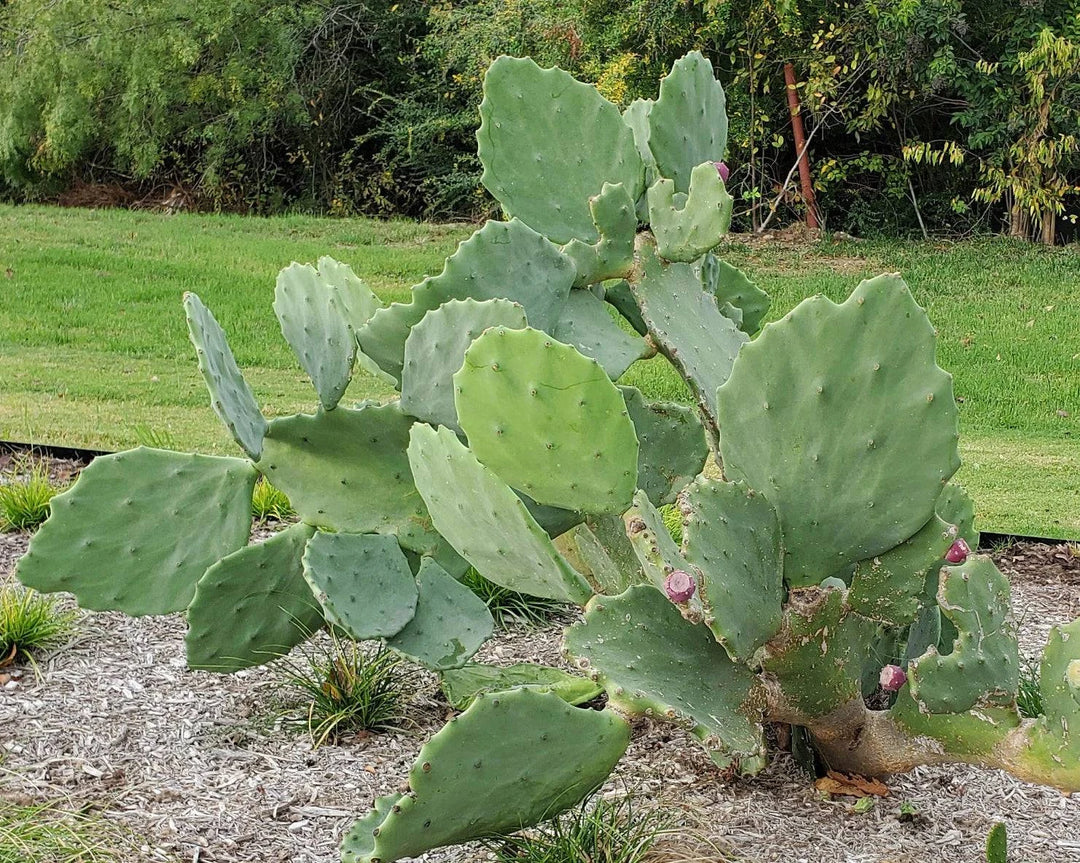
pixel 800 147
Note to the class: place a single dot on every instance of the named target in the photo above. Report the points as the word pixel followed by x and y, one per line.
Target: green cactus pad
pixel 955 506
pixel 672 447
pixel 889 588
pixel 486 523
pixel 636 116
pixel 347 470
pixel 732 537
pixel 972 733
pixel 688 327
pixel 731 287
pixel 586 324
pixel 601 551
pixel 139 528
pixel 230 395
pixel 835 413
pixel 924 632
pixel 612 256
pixel 359 842
pixel 685 233
pixel 363 582
pixel 983 667
pixel 554 520
pixel 253 606
pixel 619 295
pixel 547 420
pixel 355 300
pixel 817 658
pixel 510 761
pixel 315 326
pixel 450 622
pixel 688 124
pixel 652 661
pixel 530 122
pixel 505 260
pixel 435 350
pixel 462 685
pixel 1054 741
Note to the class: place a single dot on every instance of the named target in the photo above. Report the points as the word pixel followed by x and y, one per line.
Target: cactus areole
pixel 512 450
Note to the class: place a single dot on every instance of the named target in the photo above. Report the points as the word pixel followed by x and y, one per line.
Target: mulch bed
pixel 193 763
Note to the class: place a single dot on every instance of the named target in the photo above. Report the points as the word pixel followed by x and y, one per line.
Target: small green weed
pixel 508 606
pixel 31 623
pixel 1028 694
pixel 45 833
pixel 24 496
pixel 269 502
pixel 155 438
pixel 345 688
pixel 609 831
pixel 673 521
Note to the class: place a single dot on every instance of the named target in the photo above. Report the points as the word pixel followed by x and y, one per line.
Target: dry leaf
pixel 850 785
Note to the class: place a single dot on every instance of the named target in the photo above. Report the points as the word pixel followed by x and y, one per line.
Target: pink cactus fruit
pixel 723 170
pixel 892 678
pixel 958 552
pixel 679 586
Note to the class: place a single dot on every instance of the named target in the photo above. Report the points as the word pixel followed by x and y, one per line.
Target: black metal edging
pixel 987 540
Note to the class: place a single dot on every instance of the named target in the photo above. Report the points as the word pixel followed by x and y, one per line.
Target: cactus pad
pixel 983 667
pixel 450 623
pixel 230 395
pixel 505 260
pixel 688 124
pixel 587 325
pixel 652 661
pixel 547 420
pixel 435 350
pixel 1054 741
pixel 658 554
pixel 139 528
pixel 611 256
pixel 688 327
pixel 355 300
pixel 730 286
pixel 974 732
pixel 363 582
pixel 509 761
pixel 621 298
pixel 686 233
pixel 835 413
pixel 732 537
pixel 530 120
pixel 486 523
pixel 253 606
pixel 600 550
pixel 347 470
pixel 315 326
pixel 636 116
pixel 671 445
pixel 462 685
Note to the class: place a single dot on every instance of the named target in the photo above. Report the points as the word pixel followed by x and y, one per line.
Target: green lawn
pixel 94 350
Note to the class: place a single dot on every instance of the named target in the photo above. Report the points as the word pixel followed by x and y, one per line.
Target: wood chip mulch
pixel 193 763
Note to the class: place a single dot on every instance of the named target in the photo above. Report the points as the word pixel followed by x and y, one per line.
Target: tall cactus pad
pixel 315 326
pixel 363 582
pixel 510 761
pixel 636 116
pixel 485 522
pixel 139 528
pixel 435 350
pixel 450 623
pixel 983 667
pixel 531 120
pixel 888 588
pixel 686 233
pixel 347 470
pixel 835 413
pixel 732 536
pixel 688 124
pixel 971 733
pixel 730 286
pixel 1054 742
pixel 230 395
pixel 688 327
pixel 462 685
pixel 253 606
pixel 612 256
pixel 586 324
pixel 505 260
pixel 355 300
pixel 658 554
pixel 547 420
pixel 601 551
pixel 652 661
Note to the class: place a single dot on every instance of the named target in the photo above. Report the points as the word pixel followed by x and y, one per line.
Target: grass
pixel 47 833
pixel 340 688
pixel 508 606
pixel 268 502
pixel 1028 694
pixel 600 831
pixel 94 343
pixel 31 623
pixel 25 494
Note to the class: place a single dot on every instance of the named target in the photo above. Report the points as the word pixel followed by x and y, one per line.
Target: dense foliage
pixel 940 115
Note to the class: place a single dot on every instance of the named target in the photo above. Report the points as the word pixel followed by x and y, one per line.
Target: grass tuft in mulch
pixel 30 623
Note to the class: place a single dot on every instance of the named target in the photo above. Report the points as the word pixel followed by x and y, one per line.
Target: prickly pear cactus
pixel 821 546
